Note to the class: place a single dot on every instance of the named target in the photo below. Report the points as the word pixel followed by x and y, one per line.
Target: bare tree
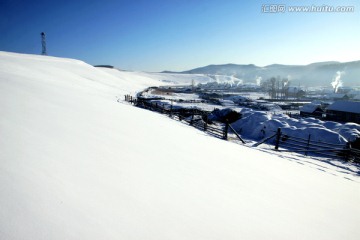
pixel 192 85
pixel 273 87
pixel 284 87
pixel 276 87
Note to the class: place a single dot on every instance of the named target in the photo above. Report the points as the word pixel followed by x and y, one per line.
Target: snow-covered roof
pixel 345 106
pixel 309 108
pixel 336 95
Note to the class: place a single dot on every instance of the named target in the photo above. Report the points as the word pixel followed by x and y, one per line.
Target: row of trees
pixel 276 87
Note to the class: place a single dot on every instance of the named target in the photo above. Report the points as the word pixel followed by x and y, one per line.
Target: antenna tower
pixel 43 43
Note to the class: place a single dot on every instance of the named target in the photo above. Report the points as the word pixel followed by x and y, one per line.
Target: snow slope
pixel 77 164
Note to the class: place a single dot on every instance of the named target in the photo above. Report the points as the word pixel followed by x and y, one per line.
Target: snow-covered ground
pixel 77 164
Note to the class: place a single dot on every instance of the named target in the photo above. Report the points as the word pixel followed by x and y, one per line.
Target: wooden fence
pixel 283 142
pixel 287 143
pixel 193 116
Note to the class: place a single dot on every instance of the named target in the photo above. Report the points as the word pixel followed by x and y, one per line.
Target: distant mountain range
pixel 315 74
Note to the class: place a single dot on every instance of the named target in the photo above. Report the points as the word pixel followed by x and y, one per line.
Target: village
pixel 342 105
pixel 319 126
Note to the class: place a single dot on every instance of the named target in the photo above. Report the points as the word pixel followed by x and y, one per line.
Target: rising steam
pixel 258 80
pixel 337 82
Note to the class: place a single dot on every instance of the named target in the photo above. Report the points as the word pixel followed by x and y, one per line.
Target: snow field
pixel 76 164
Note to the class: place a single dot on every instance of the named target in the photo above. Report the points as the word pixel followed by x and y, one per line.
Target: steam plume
pixel 337 82
pixel 258 81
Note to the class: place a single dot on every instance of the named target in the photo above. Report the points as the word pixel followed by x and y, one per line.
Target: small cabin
pixel 311 110
pixel 344 111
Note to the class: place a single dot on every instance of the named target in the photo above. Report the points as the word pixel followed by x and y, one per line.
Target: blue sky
pixel 157 35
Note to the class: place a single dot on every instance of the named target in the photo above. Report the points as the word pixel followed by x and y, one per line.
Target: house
pixel 311 110
pixel 295 92
pixel 344 111
pixel 337 96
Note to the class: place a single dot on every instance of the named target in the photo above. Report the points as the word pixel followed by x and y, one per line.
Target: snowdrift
pixel 257 125
pixel 77 164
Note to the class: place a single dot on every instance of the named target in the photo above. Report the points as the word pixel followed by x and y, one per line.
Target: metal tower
pixel 43 43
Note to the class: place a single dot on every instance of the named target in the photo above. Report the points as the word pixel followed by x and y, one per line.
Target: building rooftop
pixel 336 96
pixel 309 108
pixel 345 106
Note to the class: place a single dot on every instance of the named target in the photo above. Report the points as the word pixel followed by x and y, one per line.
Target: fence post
pixel 347 151
pixel 308 145
pixel 205 122
pixel 192 119
pixel 181 114
pixel 226 130
pixel 278 135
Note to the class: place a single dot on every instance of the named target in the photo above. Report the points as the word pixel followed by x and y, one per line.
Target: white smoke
pixel 224 81
pixel 258 80
pixel 286 82
pixel 212 76
pixel 337 82
pixel 217 79
pixel 231 82
pixel 240 82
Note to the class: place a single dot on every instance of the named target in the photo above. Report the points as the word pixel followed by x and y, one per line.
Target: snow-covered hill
pixel 77 164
